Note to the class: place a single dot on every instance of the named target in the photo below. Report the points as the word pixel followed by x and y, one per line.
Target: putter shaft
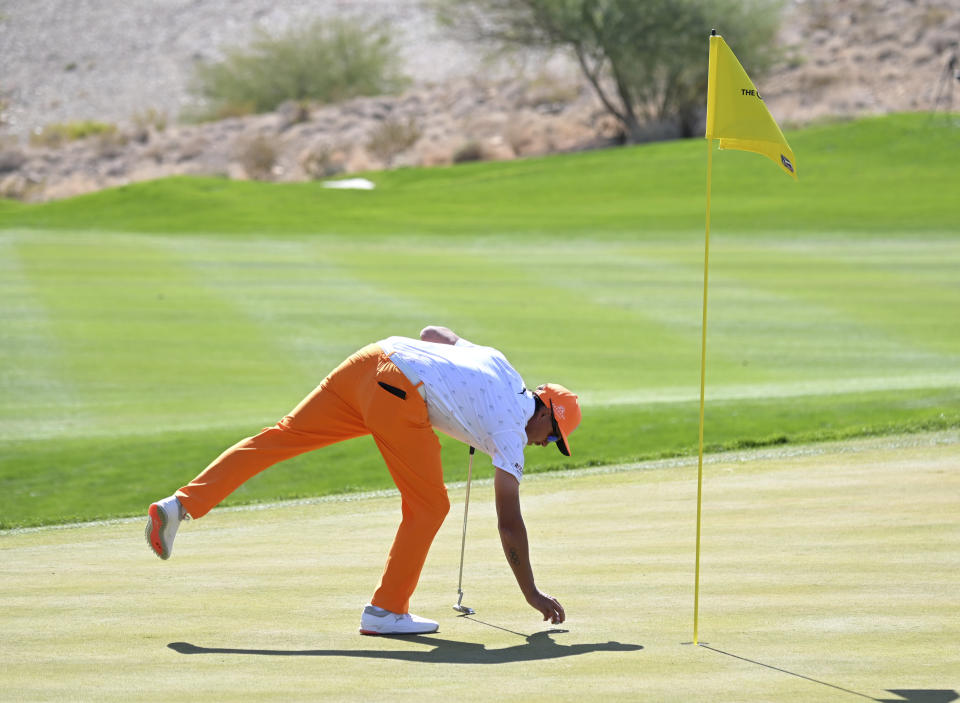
pixel 463 540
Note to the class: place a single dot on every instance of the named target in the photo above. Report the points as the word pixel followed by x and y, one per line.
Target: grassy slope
pixel 124 353
pixel 887 175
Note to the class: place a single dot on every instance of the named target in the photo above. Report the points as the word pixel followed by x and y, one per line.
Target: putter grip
pixel 473 450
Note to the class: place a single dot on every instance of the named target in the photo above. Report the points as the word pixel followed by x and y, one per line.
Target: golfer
pixel 399 390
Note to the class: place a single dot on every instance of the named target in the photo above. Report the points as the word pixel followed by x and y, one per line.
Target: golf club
pixel 463 543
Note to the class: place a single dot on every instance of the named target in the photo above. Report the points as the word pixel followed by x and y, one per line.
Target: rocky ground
pixel 129 63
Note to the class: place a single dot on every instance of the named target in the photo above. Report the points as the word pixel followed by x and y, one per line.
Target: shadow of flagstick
pixel 920 695
pixel 906 695
pixel 784 671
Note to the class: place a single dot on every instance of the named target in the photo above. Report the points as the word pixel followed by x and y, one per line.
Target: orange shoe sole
pixel 157 521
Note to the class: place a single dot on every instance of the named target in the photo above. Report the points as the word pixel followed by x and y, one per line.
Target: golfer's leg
pixel 402 431
pixel 416 469
pixel 322 418
pixel 246 459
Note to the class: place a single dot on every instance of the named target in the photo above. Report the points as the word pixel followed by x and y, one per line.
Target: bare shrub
pixel 469 151
pixel 519 137
pixel 932 17
pixel 258 156
pixel 392 137
pixel 16 187
pixel 322 161
pixel 110 143
pixel 294 112
pixel 547 92
pixel 11 159
pixel 223 110
pixel 151 118
pixel 144 121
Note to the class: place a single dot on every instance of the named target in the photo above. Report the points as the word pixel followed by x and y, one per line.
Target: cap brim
pixel 562 444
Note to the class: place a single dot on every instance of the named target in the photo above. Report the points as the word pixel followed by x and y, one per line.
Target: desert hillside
pixel 129 63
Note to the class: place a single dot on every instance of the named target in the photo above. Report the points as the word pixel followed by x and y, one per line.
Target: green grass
pixel 53 479
pixel 884 175
pixel 148 327
pixel 828 574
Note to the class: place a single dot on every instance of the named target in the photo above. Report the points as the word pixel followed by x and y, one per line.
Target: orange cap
pixel 565 408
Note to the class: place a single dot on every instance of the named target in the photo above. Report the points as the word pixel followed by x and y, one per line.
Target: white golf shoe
pixel 163 521
pixel 377 621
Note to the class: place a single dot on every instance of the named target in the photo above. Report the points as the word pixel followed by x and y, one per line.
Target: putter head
pixel 462 609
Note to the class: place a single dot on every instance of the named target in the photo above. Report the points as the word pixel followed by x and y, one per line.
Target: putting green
pixel 829 573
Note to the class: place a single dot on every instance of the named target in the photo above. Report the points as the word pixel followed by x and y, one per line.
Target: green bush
pixel 645 59
pixel 57 133
pixel 327 61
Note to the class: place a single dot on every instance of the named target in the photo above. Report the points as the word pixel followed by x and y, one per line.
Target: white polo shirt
pixel 473 394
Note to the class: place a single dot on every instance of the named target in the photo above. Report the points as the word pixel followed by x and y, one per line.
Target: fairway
pixel 147 328
pixel 829 574
pixel 131 360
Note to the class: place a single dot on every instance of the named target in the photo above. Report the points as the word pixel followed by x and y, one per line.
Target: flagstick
pixel 703 373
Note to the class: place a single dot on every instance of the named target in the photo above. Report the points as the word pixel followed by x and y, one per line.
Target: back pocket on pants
pixel 399 392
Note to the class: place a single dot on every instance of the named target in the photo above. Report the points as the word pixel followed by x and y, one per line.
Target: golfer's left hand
pixel 548 606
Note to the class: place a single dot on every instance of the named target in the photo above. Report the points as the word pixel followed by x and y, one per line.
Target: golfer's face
pixel 544 431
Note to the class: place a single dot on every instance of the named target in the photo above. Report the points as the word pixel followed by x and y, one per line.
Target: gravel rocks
pixel 108 60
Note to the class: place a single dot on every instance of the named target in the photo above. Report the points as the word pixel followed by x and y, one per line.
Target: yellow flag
pixel 737 115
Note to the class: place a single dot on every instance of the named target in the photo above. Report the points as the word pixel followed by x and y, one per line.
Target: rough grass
pixel 886 176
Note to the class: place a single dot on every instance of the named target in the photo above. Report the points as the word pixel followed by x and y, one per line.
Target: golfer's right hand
pixel 548 606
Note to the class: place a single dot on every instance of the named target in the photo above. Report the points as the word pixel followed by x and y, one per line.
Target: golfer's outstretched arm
pixel 513 536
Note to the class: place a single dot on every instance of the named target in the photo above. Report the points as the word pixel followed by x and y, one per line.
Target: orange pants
pixel 350 402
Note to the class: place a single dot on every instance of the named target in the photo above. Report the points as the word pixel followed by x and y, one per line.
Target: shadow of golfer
pixel 538 646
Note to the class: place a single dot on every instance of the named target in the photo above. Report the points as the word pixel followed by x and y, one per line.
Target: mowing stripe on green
pixel 31 357
pixel 135 347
